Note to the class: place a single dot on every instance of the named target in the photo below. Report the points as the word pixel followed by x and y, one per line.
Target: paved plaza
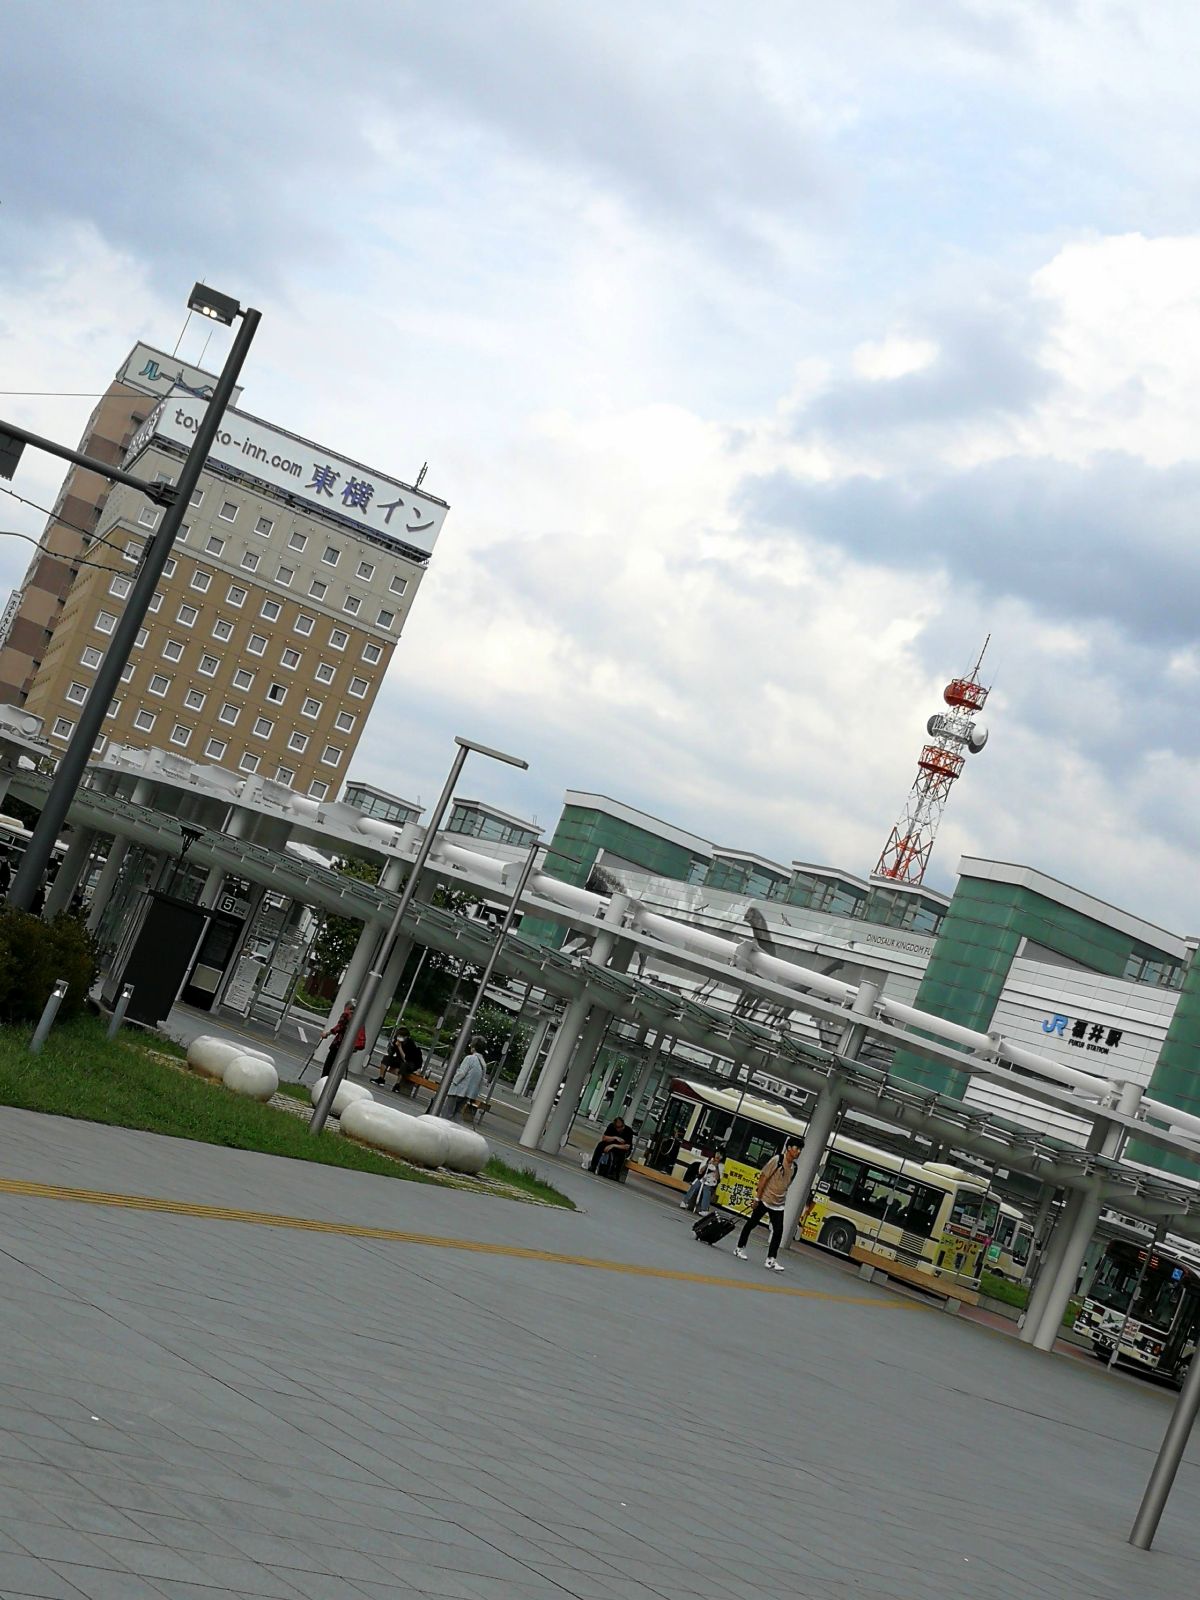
pixel 492 1399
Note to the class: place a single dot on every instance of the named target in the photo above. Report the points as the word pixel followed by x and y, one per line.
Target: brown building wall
pixel 80 502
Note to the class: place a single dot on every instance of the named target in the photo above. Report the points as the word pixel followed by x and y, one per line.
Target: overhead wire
pixel 71 561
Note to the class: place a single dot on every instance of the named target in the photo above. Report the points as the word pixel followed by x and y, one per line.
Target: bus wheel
pixel 838 1236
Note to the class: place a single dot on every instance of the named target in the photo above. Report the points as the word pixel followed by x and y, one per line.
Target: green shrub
pixel 33 955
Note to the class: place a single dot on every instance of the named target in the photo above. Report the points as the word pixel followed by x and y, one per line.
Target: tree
pixel 334 944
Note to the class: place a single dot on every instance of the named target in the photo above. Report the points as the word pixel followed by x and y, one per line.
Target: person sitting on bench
pixel 614 1149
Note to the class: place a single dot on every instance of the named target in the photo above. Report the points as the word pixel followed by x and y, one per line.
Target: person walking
pixel 337 1032
pixel 704 1186
pixel 773 1183
pixel 467 1081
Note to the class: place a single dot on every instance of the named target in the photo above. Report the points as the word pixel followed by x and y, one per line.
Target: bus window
pixel 1022 1239
pixel 858 1186
pixel 1160 1294
pixel 1115 1278
pixel 712 1128
pixel 751 1143
pixel 917 1207
pixel 968 1207
pixel 1006 1227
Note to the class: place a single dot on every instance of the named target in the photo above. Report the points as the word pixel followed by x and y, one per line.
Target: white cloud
pixel 601 299
pixel 894 357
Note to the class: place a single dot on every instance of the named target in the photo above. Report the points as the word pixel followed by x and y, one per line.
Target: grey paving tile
pixel 416 1421
pixel 26 1575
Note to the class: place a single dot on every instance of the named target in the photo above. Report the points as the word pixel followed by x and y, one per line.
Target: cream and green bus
pixel 930 1215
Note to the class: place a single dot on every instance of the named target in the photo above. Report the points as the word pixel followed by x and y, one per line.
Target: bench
pixel 417 1080
pixel 655 1176
pixel 871 1262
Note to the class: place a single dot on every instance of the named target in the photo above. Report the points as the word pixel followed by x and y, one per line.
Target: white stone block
pixel 466 1150
pixel 210 1056
pixel 251 1075
pixel 347 1094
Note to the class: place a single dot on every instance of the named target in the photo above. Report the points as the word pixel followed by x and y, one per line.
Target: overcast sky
pixel 768 356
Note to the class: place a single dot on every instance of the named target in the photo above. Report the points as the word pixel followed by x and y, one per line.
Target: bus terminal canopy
pixel 774 1050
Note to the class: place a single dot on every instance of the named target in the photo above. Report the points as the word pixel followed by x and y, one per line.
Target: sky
pixel 770 358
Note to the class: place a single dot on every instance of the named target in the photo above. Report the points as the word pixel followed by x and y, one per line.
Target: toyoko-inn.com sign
pixel 304 470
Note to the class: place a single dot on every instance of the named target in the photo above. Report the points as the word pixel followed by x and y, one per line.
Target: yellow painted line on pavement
pixel 351 1230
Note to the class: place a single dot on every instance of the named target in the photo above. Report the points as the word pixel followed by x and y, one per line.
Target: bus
pixel 1012 1244
pixel 1144 1302
pixel 930 1215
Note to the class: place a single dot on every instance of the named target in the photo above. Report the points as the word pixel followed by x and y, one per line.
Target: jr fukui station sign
pixel 303 470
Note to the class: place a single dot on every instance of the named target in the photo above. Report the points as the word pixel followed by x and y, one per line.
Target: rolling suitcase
pixel 713 1228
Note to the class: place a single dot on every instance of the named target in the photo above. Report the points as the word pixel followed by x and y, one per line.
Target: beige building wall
pixel 269 635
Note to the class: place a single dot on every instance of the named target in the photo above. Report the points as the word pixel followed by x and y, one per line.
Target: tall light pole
pixel 341 1060
pixel 464 1033
pixel 221 308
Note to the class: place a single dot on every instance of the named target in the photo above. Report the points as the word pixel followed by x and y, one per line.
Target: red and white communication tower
pixel 953 735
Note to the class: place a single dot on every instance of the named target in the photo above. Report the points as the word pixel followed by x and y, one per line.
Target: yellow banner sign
pixel 738 1187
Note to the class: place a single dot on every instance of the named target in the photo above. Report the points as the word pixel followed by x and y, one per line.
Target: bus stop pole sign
pixel 1169 1456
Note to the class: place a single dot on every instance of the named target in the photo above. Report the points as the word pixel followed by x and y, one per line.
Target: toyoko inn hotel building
pixel 1012 950
pixel 279 607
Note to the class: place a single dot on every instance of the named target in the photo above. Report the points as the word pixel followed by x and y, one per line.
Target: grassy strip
pixel 1017 1294
pixel 81 1074
pixel 527 1180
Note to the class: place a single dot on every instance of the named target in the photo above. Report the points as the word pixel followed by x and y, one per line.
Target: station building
pixel 1012 951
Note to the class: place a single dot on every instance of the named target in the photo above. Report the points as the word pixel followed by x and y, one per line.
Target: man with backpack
pixel 773 1183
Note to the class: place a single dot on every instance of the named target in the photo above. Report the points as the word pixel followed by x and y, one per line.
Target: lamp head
pixel 190 833
pixel 212 303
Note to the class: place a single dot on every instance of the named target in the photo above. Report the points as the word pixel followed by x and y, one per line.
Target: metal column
pixel 642 1087
pixel 816 1142
pixel 1048 1266
pixel 558 1124
pixel 554 1071
pixel 70 871
pixel 117 851
pixel 531 1056
pixel 824 1112
pixel 1169 1456
pixel 1089 1204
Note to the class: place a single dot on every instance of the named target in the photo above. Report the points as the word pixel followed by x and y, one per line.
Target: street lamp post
pixel 464 1033
pixel 341 1059
pixel 71 768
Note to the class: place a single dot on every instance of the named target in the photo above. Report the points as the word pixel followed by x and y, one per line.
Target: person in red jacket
pixel 337 1033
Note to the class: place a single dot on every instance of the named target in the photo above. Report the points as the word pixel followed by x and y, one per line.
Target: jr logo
pixel 1055 1024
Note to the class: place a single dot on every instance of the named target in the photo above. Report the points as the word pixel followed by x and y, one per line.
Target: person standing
pixel 704 1186
pixel 337 1033
pixel 467 1081
pixel 773 1183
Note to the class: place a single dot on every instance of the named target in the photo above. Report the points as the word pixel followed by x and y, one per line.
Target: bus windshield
pixel 1116 1276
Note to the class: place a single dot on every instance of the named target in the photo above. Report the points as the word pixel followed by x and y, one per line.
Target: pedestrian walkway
pixel 438 1393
